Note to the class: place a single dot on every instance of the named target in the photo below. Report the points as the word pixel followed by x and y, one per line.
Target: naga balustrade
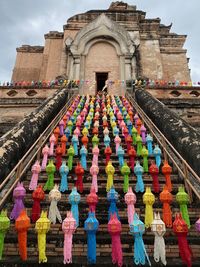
pixel 34 152
pixel 190 177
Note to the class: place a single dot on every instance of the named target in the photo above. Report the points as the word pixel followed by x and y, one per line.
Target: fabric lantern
pixel 139 144
pixel 85 132
pixel 38 195
pixel 129 125
pixel 112 197
pixel 114 229
pixel 134 135
pixel 117 141
pixel 95 140
pixel 54 197
pixel 157 155
pixel 36 169
pixel 22 224
pixel 64 170
pixel 70 154
pixel 167 170
pixel 120 154
pixel 42 226
pixel 45 153
pixel 91 226
pixel 75 144
pixel 154 172
pixel 106 140
pixel 108 153
pixel 143 133
pixel 138 170
pixel 79 171
pixel 137 229
pixel 92 199
pixel 128 141
pixel 63 144
pixel 159 229
pixel 70 125
pixel 148 200
pixel 61 127
pixel 138 126
pixel 50 170
pixel 68 227
pixel 83 153
pixel 132 155
pixel 4 226
pixel 52 141
pixel 85 140
pixel 56 133
pixel 144 154
pixel 166 199
pixel 67 132
pixel 94 170
pixel 197 225
pixel 58 157
pixel 106 131
pixel 180 228
pixel 130 199
pixel 95 152
pixel 125 171
pixel 110 170
pixel 74 199
pixel 18 195
pixel 183 200
pixel 115 131
pixel 149 141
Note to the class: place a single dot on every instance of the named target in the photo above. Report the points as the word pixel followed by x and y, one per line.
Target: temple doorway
pixel 101 78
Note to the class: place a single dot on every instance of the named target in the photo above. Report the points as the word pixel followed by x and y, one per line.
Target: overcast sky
pixel 26 22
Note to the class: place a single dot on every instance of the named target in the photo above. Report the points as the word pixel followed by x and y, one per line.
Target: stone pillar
pixel 76 74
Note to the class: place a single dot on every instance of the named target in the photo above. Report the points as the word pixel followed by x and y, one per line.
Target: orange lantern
pixel 167 170
pixel 166 199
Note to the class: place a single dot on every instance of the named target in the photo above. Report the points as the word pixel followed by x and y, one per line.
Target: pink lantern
pixel 130 199
pixel 36 169
pixel 45 153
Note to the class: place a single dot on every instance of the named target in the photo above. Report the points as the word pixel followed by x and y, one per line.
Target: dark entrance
pixel 101 78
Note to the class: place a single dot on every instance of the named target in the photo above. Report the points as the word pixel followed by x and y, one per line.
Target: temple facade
pixel 116 44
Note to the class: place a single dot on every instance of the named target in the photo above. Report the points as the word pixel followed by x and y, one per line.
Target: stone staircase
pixel 55 237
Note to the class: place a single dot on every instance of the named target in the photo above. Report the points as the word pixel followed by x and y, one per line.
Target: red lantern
pixel 79 172
pixel 92 199
pixel 108 153
pixel 63 144
pixel 128 141
pixel 132 155
pixel 85 140
pixel 59 152
pixel 154 171
pixel 37 196
pixel 56 133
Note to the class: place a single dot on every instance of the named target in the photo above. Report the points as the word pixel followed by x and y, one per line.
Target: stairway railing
pixel 191 179
pixel 9 183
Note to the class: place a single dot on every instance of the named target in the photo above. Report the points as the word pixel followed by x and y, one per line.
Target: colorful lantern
pixel 139 144
pixel 166 199
pixel 74 199
pixel 18 195
pixel 54 197
pixel 95 152
pixel 144 154
pixel 68 227
pixel 112 197
pixel 92 199
pixel 138 170
pixel 120 154
pixel 70 154
pixel 125 171
pixel 22 224
pixel 148 200
pixel 79 171
pixel 183 199
pixel 157 155
pixel 61 127
pixel 143 133
pixel 4 226
pixel 36 169
pixel 149 141
pixel 154 171
pixel 50 170
pixel 63 144
pixel 64 170
pixel 42 226
pixel 58 157
pixel 85 140
pixel 114 229
pixel 137 229
pixel 52 141
pixel 83 153
pixel 197 225
pixel 128 141
pixel 180 228
pixel 132 155
pixel 95 140
pixel 130 199
pixel 110 170
pixel 108 153
pixel 106 140
pixel 117 142
pixel 159 229
pixel 134 135
pixel 167 170
pixel 38 195
pixel 94 170
pixel 45 153
pixel 56 133
pixel 91 226
pixel 75 144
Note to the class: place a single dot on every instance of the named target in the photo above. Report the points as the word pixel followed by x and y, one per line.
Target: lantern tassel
pixel 113 209
pixel 54 212
pixel 167 215
pixel 185 215
pixel 2 237
pixel 64 183
pixel 50 182
pixel 75 213
pixel 139 184
pixel 91 252
pixel 22 241
pixel 159 249
pixel 140 251
pixel 131 211
pixel 184 249
pixel 70 162
pixel 117 256
pixel 67 252
pixel 42 247
pixel 35 210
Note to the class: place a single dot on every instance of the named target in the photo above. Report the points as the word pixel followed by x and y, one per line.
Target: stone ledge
pixel 30 49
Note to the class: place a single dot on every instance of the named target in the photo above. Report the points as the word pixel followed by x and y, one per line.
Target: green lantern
pixel 4 226
pixel 50 170
pixel 125 170
pixel 139 144
pixel 144 154
pixel 134 135
pixel 183 199
pixel 95 140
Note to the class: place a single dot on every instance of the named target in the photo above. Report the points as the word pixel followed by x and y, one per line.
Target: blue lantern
pixel 138 170
pixel 106 140
pixel 115 131
pixel 157 155
pixel 112 197
pixel 91 226
pixel 129 125
pixel 149 140
pixel 120 154
pixel 64 170
pixel 137 229
pixel 75 143
pixel 67 132
pixel 83 153
pixel 74 199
